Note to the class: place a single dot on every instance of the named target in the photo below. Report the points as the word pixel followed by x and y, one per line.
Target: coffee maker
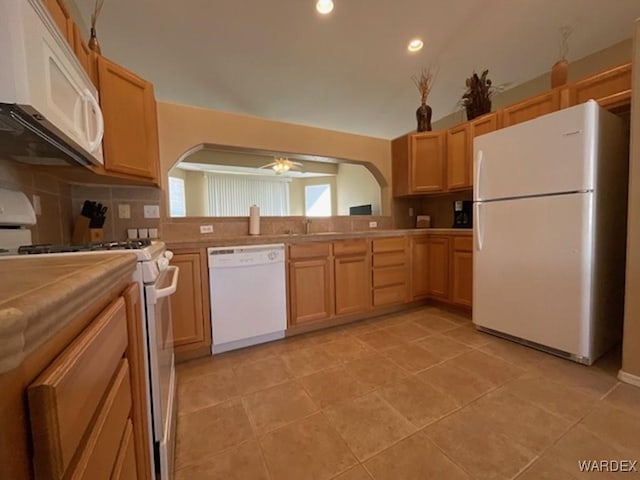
pixel 463 214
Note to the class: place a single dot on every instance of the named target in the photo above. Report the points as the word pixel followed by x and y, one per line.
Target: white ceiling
pixel 349 71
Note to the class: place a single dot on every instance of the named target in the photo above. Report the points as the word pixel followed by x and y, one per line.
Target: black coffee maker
pixel 463 214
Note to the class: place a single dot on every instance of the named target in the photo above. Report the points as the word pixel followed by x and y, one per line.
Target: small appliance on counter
pixel 463 214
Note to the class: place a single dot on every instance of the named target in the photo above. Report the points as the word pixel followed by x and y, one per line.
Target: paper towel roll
pixel 254 220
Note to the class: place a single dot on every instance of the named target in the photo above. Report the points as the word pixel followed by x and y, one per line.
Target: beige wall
pixel 356 186
pixel 182 128
pixel 631 341
pixel 196 194
pixel 616 54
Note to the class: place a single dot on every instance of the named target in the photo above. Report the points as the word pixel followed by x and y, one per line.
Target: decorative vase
pixel 93 42
pixel 559 73
pixel 423 116
pixel 476 109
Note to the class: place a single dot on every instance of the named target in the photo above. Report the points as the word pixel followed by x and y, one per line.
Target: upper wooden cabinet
pixel 189 315
pixel 611 88
pixel 418 162
pixel 531 108
pixel 427 159
pixel 485 124
pixel 87 58
pixel 130 121
pixel 459 157
pixel 60 14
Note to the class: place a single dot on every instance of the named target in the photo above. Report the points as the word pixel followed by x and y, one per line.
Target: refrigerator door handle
pixel 476 184
pixel 478 230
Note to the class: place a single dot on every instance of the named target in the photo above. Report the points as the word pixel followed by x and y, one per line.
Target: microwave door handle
pixel 94 143
pixel 157 293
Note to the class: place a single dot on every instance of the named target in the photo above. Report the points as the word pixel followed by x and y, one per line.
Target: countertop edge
pixel 28 320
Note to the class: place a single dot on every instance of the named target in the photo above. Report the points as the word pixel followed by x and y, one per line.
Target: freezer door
pixel 532 270
pixel 550 154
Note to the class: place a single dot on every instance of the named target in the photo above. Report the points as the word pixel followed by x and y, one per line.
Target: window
pixel 317 199
pixel 177 203
pixel 232 195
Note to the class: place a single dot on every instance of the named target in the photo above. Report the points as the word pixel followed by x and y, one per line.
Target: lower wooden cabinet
pixel 462 271
pixel 439 267
pixel 390 271
pixel 352 272
pixel 190 304
pixel 311 287
pixel 419 267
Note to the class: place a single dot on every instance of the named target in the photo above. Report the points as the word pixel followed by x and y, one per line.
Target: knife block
pixel 83 234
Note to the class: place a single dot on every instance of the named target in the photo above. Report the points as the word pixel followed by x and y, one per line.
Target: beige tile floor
pixel 417 395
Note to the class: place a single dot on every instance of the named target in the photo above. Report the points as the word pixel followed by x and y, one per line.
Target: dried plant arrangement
pixel 477 98
pixel 424 82
pixel 93 40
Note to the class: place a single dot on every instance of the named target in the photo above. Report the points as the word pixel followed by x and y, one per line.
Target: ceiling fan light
pixel 324 7
pixel 415 45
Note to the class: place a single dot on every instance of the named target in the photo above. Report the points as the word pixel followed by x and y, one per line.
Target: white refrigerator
pixel 550 200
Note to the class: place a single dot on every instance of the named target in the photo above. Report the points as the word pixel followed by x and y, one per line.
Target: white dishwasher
pixel 247 288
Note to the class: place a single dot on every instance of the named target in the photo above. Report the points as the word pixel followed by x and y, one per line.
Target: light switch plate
pixel 373 224
pixel 411 211
pixel 206 228
pixel 124 210
pixel 152 211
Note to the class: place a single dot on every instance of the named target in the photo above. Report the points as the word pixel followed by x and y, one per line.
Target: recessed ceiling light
pixel 324 6
pixel 415 45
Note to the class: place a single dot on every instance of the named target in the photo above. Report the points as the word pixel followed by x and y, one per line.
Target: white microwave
pixel 49 110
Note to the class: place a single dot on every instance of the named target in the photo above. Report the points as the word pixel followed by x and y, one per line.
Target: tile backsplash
pixel 115 228
pixel 55 221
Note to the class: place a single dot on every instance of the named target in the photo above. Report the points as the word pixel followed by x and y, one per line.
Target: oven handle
pixel 157 293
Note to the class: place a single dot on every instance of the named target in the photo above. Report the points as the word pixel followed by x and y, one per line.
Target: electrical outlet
pixel 152 211
pixel 373 224
pixel 37 206
pixel 411 211
pixel 206 229
pixel 124 210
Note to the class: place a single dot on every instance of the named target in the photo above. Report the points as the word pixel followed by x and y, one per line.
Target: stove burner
pixel 83 247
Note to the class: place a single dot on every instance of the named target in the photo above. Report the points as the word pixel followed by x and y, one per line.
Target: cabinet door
pixel 462 271
pixel 611 88
pixel 310 290
pixel 86 57
pixel 190 327
pixel 459 157
pixel 61 17
pixel 427 162
pixel 485 124
pixel 419 267
pixel 439 267
pixel 130 121
pixel 352 284
pixel 532 108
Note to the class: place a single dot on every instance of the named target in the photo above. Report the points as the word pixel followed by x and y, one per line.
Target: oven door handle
pixel 157 293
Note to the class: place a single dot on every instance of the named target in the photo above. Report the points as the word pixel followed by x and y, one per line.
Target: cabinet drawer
pixel 389 276
pixel 65 397
pixel 309 250
pixel 101 448
pixel 389 295
pixel 350 247
pixel 463 244
pixel 125 467
pixel 392 244
pixel 389 259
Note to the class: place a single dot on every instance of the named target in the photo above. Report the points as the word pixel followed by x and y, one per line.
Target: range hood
pixel 49 111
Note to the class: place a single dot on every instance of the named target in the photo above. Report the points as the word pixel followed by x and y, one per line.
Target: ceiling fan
pixel 282 165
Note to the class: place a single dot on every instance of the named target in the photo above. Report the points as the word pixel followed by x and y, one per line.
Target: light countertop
pixel 40 294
